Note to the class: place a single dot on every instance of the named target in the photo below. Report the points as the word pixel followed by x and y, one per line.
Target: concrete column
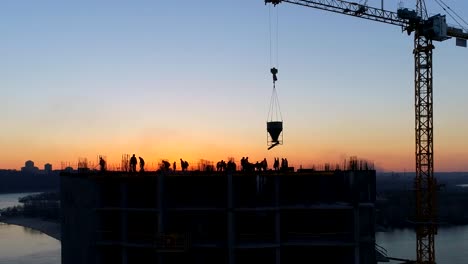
pixel 355 200
pixel 277 219
pixel 357 234
pixel 123 219
pixel 155 192
pixel 95 220
pixel 161 203
pixel 162 210
pixel 230 220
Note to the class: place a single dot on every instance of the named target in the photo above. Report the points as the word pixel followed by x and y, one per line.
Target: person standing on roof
pixel 142 164
pixel 264 164
pixel 276 164
pixel 102 164
pixel 184 164
pixel 133 163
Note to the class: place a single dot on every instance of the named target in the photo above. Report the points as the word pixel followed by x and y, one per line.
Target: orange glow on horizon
pixel 444 163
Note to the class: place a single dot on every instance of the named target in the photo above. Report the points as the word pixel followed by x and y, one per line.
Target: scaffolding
pixel 125 163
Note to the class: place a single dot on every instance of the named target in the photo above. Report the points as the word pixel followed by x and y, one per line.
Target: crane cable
pixel 274 111
pixel 447 8
pixel 422 9
pixel 271 37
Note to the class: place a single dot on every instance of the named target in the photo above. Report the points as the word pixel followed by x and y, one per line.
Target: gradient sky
pixel 190 79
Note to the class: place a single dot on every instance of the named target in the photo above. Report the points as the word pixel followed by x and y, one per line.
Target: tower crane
pixel 426 29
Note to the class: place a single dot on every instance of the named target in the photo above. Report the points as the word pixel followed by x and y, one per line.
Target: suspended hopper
pixel 275 129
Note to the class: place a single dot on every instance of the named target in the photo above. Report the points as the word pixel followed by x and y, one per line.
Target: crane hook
pixel 274 71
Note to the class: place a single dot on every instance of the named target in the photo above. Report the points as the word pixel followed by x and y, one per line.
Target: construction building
pixel 219 217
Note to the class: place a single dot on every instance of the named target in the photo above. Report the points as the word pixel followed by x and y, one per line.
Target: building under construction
pixel 219 217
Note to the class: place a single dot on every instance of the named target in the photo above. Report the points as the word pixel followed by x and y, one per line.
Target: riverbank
pixel 51 229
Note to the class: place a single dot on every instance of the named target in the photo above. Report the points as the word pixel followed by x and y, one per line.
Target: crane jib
pixel 351 9
pixel 434 27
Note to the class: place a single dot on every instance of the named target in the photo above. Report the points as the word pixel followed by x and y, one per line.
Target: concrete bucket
pixel 274 128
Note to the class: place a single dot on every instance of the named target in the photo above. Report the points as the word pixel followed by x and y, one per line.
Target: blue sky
pixel 173 78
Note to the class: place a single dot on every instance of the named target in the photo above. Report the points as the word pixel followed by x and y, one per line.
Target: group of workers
pixel 284 164
pixel 258 166
pixel 263 165
pixel 165 166
pixel 222 165
pixel 133 164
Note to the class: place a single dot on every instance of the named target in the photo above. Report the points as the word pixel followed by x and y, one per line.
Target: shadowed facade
pixel 218 217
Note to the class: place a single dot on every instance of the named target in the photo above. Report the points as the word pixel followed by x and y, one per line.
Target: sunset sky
pixel 190 79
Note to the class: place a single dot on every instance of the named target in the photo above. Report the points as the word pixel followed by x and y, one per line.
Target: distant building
pixel 219 217
pixel 29 167
pixel 68 169
pixel 48 168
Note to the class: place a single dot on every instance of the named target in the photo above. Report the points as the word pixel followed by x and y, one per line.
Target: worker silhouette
pixel 264 164
pixel 165 166
pixel 276 164
pixel 102 164
pixel 133 163
pixel 231 165
pixel 174 166
pixel 142 164
pixel 284 164
pixel 221 166
pixel 184 164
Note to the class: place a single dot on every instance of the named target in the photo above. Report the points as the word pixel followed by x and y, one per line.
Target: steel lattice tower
pixel 425 191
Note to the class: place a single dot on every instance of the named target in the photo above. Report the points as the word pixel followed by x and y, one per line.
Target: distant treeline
pixel 42 205
pixel 17 181
pixel 395 206
pixel 394 181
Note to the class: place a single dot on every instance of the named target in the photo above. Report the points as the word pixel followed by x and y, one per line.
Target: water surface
pixel 26 246
pixel 20 245
pixel 11 199
pixel 451 244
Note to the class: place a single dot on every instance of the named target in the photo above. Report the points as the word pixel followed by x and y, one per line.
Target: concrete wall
pixel 240 218
pixel 78 220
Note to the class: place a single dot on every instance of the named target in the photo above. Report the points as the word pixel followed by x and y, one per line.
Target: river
pixel 19 245
pixel 451 244
pixel 11 199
